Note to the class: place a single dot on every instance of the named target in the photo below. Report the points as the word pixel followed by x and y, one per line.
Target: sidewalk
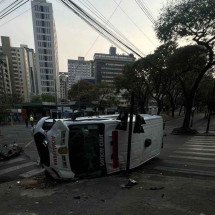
pixel 199 123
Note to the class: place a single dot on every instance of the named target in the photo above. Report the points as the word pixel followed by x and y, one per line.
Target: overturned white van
pixel 96 145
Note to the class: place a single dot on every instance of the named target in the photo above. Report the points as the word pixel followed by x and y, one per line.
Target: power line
pixel 145 8
pixel 148 9
pixel 2 1
pixel 8 6
pixel 91 24
pixel 135 24
pixel 112 27
pixel 145 11
pixel 106 23
pixel 97 25
pixel 19 15
pixel 14 4
pixel 99 34
pixel 8 13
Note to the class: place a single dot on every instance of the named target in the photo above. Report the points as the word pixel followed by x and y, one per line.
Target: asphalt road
pixel 180 181
pixel 24 165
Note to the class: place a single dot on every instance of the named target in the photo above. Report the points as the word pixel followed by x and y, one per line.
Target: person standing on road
pixel 32 120
pixel 26 122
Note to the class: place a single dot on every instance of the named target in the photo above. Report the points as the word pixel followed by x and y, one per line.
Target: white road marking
pixel 191 157
pixel 201 141
pixel 196 149
pixel 32 173
pixel 198 145
pixel 204 137
pixel 185 163
pixel 28 143
pixel 194 153
pixel 11 161
pixel 188 171
pixel 14 168
pixel 196 156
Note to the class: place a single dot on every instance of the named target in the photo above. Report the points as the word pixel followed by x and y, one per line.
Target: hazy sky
pixel 75 37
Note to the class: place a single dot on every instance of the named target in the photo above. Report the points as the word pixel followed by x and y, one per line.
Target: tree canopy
pixel 192 20
pixel 187 18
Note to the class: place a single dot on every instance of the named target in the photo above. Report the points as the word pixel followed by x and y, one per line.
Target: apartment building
pixel 45 39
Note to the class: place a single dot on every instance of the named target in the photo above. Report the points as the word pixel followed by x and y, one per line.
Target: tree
pixel 187 63
pixel 153 71
pixel 106 95
pixel 36 99
pixel 205 87
pixel 131 80
pixel 48 98
pixel 83 92
pixel 190 19
pixel 43 98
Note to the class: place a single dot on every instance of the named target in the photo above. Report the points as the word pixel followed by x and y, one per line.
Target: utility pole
pixel 211 105
pixel 130 132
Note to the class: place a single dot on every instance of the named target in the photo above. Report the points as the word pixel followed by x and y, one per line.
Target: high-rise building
pixel 63 77
pixel 21 67
pixel 5 83
pixel 46 47
pixel 109 66
pixel 28 63
pixel 78 70
pixel 5 49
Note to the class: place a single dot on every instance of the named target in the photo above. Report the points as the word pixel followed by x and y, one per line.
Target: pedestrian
pixel 32 120
pixel 26 122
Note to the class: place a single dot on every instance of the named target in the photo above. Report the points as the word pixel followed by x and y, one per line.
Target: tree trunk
pixel 160 107
pixel 173 111
pixel 188 107
pixel 142 107
pixel 172 103
pixel 180 110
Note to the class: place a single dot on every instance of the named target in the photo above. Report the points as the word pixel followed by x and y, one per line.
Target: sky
pixel 76 38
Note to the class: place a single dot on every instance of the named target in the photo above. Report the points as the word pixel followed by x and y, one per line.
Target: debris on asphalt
pixel 77 197
pixel 162 195
pixel 29 183
pixel 156 188
pixel 131 183
pixel 103 200
pixel 9 151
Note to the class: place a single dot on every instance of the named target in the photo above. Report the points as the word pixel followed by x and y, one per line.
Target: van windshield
pixel 86 148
